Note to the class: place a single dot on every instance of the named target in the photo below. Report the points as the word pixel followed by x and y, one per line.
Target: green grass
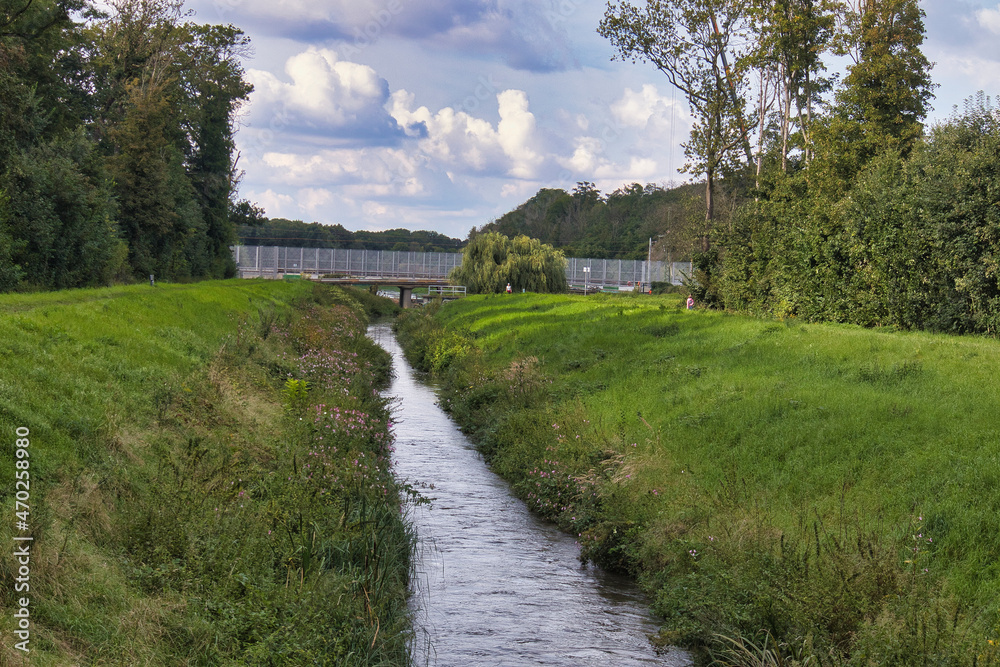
pixel 765 480
pixel 186 507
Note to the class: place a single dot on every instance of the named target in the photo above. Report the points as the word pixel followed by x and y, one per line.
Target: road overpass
pixel 407 270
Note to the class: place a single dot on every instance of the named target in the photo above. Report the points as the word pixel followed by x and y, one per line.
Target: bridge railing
pixel 253 261
pixel 269 261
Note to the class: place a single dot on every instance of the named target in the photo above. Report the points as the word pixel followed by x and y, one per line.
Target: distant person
pixel 508 288
pixel 690 302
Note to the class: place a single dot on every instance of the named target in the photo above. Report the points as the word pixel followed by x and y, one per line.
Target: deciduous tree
pixel 491 261
pixel 692 43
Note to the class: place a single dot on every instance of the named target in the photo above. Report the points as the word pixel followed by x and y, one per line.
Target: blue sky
pixel 444 114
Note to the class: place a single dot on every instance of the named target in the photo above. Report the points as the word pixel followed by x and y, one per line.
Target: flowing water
pixel 494 585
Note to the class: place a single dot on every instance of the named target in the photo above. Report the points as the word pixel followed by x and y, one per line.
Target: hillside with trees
pixel 619 225
pixel 254 228
pixel 116 142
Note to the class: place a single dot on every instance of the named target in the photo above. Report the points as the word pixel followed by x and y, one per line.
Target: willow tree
pixel 492 261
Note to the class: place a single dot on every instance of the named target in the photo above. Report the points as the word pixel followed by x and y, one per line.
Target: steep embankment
pixel 804 490
pixel 205 479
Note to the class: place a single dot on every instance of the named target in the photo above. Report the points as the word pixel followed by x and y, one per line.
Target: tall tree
pixel 214 86
pixel 885 95
pixel 793 36
pixel 170 93
pixel 688 40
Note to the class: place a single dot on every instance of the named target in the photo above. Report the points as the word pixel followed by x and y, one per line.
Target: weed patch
pixel 217 491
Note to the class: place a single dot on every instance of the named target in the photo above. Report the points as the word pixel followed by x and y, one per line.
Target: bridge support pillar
pixel 404 296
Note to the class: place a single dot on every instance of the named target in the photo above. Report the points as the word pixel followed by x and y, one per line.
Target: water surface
pixel 494 585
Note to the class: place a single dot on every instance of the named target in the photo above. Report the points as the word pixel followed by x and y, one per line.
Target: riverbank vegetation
pixel 787 492
pixel 209 478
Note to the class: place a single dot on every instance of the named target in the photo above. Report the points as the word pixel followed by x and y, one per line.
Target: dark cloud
pixel 525 34
pixel 426 19
pixel 522 33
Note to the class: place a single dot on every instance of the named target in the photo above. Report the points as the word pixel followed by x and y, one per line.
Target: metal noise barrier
pixel 271 261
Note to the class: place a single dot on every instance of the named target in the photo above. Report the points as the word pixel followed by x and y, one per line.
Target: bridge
pixel 407 270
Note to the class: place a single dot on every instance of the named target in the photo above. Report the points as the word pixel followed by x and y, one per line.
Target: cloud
pixel 314 199
pixel 523 33
pixel 325 95
pixel 277 205
pixel 516 133
pixel 377 169
pixel 976 72
pixel 638 109
pixel 455 138
pixel 989 19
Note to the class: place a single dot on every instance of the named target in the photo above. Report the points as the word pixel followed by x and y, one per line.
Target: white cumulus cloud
pixel 456 138
pixel 324 94
pixel 516 133
pixel 639 108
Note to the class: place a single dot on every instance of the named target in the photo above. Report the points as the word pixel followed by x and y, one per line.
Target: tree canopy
pixel 255 229
pixel 116 142
pixel 850 209
pixel 491 261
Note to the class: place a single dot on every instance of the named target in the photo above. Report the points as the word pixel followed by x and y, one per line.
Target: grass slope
pixel 188 504
pixel 810 492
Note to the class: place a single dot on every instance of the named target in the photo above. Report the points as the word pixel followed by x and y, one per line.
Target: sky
pixel 444 114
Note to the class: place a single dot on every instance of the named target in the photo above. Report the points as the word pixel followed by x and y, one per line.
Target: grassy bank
pixel 208 478
pixel 812 494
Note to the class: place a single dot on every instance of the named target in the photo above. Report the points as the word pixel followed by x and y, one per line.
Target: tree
pixel 884 98
pixel 169 92
pixel 214 87
pixel 688 41
pixel 61 208
pixel 10 272
pixel 793 35
pixel 491 261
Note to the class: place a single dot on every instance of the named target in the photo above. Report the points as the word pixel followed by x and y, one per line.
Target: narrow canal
pixel 494 585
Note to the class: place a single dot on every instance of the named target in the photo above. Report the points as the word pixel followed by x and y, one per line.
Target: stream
pixel 495 585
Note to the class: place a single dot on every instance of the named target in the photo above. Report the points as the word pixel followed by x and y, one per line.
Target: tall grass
pixel 828 493
pixel 187 508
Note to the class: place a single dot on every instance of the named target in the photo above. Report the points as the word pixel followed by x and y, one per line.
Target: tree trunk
pixel 786 117
pixel 709 208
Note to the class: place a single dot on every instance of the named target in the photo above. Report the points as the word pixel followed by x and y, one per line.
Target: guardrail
pixel 446 291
